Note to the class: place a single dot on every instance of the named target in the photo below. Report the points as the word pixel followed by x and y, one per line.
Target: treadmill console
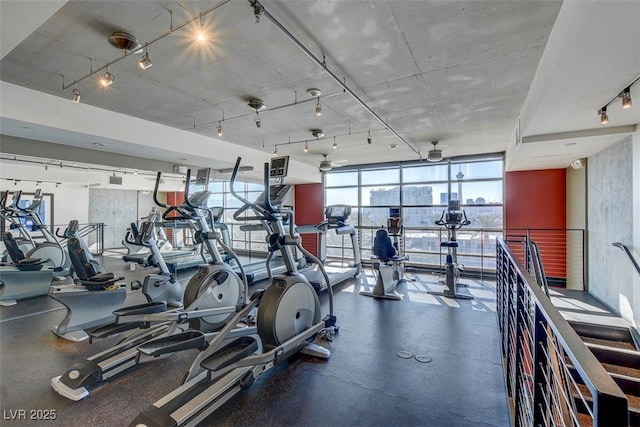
pixel 199 198
pixel 337 213
pixel 277 194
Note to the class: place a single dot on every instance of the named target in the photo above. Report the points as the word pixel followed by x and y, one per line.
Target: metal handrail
pixel 627 250
pixel 538 268
pixel 517 293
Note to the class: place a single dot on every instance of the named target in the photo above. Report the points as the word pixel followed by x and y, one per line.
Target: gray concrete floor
pixel 364 383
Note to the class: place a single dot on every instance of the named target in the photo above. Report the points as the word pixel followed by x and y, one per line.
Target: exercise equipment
pixel 388 259
pixel 254 269
pixel 11 215
pixel 26 277
pixel 211 299
pixel 452 219
pixel 137 251
pixel 91 300
pixel 51 249
pixel 287 321
pixel 335 219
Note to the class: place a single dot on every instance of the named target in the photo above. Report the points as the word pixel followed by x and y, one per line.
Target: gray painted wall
pixel 610 219
pixel 117 209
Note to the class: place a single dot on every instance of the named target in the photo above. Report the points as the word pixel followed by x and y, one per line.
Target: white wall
pixel 636 224
pixel 576 219
pixel 612 198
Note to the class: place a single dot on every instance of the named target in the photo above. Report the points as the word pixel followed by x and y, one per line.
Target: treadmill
pixel 255 268
pixel 335 219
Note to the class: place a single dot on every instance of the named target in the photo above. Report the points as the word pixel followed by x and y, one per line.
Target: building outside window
pixel 422 191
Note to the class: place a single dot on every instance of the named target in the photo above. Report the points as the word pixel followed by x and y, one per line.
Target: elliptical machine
pixel 11 215
pixel 51 249
pixel 452 219
pixel 288 320
pixel 211 298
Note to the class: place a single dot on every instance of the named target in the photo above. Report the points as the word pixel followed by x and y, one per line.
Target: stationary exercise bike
pixel 452 219
pixel 288 320
pixel 388 260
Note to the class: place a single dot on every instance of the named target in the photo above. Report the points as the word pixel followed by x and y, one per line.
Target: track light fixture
pixel 129 45
pixel 219 129
pixel 257 105
pixel 604 119
pixel 145 62
pixel 315 93
pixel 626 97
pixel 107 79
pixel 76 95
pixel 275 150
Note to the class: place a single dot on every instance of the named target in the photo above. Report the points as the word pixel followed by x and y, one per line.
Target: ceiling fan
pixel 434 155
pixel 326 165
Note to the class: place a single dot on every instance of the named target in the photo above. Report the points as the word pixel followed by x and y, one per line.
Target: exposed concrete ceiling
pixel 465 73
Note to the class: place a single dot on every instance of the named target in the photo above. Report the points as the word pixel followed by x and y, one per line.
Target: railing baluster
pixel 555 344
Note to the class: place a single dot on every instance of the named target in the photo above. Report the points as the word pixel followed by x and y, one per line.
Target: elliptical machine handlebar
pixel 155 191
pixel 262 212
pixel 183 214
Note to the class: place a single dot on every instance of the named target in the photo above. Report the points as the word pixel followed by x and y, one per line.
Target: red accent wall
pixel 174 198
pixel 309 202
pixel 537 200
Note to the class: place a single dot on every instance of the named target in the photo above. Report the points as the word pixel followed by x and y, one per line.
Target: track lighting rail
pixel 260 10
pixel 172 29
pixel 624 94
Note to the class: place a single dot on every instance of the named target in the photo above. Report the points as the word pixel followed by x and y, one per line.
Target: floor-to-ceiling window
pixel 422 192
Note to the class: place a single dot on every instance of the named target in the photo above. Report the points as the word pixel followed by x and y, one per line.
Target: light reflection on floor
pixel 415 287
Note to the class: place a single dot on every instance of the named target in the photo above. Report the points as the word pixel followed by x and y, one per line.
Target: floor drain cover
pixel 423 358
pixel 405 354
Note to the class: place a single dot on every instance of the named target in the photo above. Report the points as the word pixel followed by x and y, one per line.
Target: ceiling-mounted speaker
pixel 180 169
pixel 577 164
